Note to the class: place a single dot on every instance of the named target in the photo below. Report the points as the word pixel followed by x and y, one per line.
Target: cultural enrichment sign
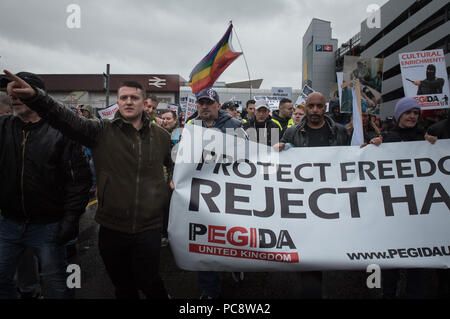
pixel 238 206
pixel 424 75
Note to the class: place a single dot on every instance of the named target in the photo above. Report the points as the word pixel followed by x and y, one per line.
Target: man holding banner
pixel 315 129
pixel 210 115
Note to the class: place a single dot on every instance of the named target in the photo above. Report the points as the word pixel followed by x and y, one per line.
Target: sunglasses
pixel 205 101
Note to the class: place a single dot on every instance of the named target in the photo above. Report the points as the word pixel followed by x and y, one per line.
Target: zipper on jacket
pixel 71 170
pixel 136 200
pixel 24 141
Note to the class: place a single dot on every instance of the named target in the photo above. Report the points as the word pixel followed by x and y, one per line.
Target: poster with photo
pixel 369 71
pixel 425 78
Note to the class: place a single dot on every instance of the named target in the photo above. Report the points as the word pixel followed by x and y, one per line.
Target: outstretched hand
pixel 19 88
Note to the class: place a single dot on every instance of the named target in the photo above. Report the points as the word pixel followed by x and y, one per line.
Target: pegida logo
pixel 238 236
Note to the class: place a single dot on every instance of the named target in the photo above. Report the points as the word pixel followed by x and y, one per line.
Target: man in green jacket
pixel 129 154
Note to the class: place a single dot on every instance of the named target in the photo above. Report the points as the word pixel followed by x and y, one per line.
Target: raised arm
pixel 77 128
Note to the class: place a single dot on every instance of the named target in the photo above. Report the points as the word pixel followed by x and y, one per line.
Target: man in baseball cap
pixel 41 208
pixel 209 94
pixel 262 128
pixel 231 108
pixel 19 108
pixel 210 115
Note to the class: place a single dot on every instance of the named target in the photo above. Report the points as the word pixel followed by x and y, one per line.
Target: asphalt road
pixel 180 284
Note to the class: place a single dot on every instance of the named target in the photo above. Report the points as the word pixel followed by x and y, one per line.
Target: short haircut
pixel 152 97
pixel 301 106
pixel 284 101
pixel 250 102
pixel 133 84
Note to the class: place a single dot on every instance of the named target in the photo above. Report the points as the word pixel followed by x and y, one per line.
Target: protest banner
pixel 173 107
pixel 335 208
pixel 307 90
pixel 369 71
pixel 273 102
pixel 188 106
pixel 109 112
pixel 425 78
pixel 282 92
pixel 304 95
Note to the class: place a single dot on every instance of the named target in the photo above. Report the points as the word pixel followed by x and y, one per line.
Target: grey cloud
pixel 168 36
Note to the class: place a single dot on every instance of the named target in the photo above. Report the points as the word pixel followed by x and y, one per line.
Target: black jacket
pixel 285 123
pixel 132 190
pixel 398 134
pixel 269 127
pixel 43 175
pixel 298 136
pixel 440 129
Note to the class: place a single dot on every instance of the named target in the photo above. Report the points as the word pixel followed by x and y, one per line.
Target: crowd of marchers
pixel 55 158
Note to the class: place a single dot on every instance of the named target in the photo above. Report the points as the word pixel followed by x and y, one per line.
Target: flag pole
pixel 245 60
pixel 358 97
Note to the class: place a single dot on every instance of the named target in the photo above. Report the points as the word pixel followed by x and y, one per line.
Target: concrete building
pixel 406 26
pixel 318 57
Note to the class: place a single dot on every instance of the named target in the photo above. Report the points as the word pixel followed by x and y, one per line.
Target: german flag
pixel 213 64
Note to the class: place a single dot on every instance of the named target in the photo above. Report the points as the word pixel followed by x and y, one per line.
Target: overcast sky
pixel 168 36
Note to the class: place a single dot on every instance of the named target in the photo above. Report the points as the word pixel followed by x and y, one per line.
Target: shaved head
pixel 315 110
pixel 316 95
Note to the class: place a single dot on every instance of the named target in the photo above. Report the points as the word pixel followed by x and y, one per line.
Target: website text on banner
pixel 235 208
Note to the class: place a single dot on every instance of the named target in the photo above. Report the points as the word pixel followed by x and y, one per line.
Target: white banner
pixel 109 112
pixel 282 92
pixel 424 75
pixel 327 208
pixel 273 102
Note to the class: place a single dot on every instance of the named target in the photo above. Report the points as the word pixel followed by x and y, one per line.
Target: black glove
pixel 68 229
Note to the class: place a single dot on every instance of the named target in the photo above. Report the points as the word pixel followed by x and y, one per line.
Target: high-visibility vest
pixel 290 123
pixel 277 123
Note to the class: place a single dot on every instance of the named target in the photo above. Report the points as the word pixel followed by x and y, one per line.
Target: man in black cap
pixel 45 184
pixel 210 115
pixel 231 108
pixel 432 84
